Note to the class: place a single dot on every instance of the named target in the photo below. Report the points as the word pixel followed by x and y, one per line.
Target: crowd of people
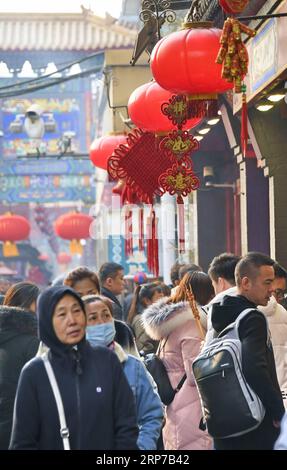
pixel 95 343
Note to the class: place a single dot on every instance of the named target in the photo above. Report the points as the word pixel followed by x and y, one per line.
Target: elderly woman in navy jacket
pixel 98 402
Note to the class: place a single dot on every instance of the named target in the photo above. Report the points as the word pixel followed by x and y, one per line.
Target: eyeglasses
pixel 279 294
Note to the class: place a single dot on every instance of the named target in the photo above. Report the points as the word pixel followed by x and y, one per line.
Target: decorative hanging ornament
pixel 191 53
pixel 140 163
pixel 145 109
pixel 13 228
pixel 234 57
pixel 233 6
pixel 233 53
pixel 74 227
pixel 102 148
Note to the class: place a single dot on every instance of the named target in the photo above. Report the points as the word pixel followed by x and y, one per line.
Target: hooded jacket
pixel 258 367
pixel 174 325
pixel 148 404
pixel 18 344
pixel 277 320
pixel 98 402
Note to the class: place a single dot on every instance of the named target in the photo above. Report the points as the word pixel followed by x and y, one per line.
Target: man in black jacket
pixel 254 276
pixel 112 284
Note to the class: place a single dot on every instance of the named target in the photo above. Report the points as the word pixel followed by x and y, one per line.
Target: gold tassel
pixel 76 247
pixel 10 249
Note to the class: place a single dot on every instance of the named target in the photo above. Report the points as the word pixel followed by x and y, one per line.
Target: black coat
pixel 98 402
pixel 118 313
pixel 258 367
pixel 18 344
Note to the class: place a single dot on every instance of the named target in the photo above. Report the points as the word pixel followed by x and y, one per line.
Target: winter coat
pixel 281 443
pixel 277 320
pixel 98 402
pixel 175 326
pixel 116 306
pixel 18 344
pixel 148 405
pixel 258 367
pixel 144 343
pixel 207 308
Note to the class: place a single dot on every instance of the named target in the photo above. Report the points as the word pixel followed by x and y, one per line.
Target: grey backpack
pixel 230 406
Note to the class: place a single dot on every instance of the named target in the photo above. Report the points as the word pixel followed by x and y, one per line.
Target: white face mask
pixel 102 334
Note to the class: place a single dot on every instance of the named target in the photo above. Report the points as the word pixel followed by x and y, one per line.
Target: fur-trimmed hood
pixel 15 321
pixel 122 355
pixel 161 318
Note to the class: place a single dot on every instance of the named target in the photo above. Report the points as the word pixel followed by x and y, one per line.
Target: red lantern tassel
pixel 152 244
pixel 244 129
pixel 180 222
pixel 128 232
pixel 155 244
pixel 148 233
pixel 141 229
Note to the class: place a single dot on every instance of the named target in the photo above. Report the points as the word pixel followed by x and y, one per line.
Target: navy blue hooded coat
pixel 98 402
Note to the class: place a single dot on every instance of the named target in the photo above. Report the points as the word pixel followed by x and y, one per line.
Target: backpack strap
pixel 236 323
pixel 180 384
pixel 182 380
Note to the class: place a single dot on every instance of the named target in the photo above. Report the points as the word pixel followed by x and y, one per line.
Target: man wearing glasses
pixel 277 321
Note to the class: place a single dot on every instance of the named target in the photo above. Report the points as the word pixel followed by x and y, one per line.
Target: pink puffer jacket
pixel 176 323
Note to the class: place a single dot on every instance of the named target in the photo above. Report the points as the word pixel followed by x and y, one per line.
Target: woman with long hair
pixel 179 323
pixel 18 344
pixel 144 296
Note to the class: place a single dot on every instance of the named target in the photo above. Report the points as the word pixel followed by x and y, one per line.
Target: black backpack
pixel 157 369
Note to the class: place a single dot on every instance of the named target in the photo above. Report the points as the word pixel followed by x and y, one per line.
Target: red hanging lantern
pixel 64 258
pixel 191 53
pixel 145 109
pixel 43 257
pixel 233 6
pixel 73 226
pixel 102 148
pixel 13 228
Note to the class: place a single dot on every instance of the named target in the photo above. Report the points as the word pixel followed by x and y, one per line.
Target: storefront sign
pixel 263 55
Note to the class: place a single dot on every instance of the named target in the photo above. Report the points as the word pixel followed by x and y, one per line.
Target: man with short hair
pixel 112 284
pixel 276 316
pixel 254 275
pixel 221 272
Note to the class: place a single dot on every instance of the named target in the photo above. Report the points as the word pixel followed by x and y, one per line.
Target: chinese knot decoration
pixel 233 53
pixel 233 6
pixel 178 180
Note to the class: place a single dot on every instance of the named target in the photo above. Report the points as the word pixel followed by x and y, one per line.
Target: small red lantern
pixel 102 148
pixel 233 6
pixel 43 257
pixel 73 226
pixel 184 62
pixel 145 109
pixel 13 228
pixel 64 258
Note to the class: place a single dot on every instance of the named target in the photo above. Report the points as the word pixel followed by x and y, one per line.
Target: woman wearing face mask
pixel 101 331
pixel 97 399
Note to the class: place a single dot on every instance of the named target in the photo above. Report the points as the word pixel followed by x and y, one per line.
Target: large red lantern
pixel 13 228
pixel 102 148
pixel 73 226
pixel 184 62
pixel 145 109
pixel 233 6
